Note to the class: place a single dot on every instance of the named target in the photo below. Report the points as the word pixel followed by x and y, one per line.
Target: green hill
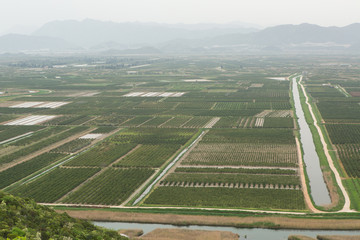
pixel 24 219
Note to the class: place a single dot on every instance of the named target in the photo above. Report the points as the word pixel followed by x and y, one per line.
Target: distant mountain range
pixel 149 38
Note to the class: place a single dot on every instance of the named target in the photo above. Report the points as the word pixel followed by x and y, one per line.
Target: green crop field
pixel 101 155
pixel 226 197
pixel 55 184
pixel 149 156
pixel 111 187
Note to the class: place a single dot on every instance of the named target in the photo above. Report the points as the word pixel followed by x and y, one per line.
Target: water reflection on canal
pixel 318 189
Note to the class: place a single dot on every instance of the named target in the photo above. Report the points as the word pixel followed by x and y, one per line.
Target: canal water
pixel 250 233
pixel 318 189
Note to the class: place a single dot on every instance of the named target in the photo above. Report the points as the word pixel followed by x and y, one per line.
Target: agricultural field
pixel 230 161
pixel 100 135
pixel 101 155
pixel 149 155
pixel 55 184
pixel 227 197
pixel 111 187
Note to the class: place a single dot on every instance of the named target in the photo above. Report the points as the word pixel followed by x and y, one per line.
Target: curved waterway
pixel 250 233
pixel 318 189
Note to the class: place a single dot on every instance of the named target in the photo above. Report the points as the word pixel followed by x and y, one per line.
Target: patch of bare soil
pixel 334 195
pixel 300 237
pixel 338 237
pixel 355 94
pixel 181 234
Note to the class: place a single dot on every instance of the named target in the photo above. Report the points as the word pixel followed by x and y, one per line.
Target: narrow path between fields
pixel 180 208
pixel 346 207
pixel 168 167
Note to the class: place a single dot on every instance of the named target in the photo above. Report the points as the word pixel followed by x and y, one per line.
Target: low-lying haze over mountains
pixel 92 36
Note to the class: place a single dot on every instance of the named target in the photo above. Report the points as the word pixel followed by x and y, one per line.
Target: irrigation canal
pixel 318 189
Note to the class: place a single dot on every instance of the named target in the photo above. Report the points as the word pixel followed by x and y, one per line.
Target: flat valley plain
pixel 94 132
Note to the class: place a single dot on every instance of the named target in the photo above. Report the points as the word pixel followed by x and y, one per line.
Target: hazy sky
pixel 261 12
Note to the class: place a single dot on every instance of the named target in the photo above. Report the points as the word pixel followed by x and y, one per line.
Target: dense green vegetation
pixel 39 135
pixel 101 155
pixel 9 132
pixel 72 146
pixel 24 219
pixel 243 154
pixel 344 133
pixel 273 122
pixel 350 156
pixel 112 187
pixel 149 156
pixel 104 129
pixel 226 197
pixel 53 185
pixel 24 169
pixel 154 136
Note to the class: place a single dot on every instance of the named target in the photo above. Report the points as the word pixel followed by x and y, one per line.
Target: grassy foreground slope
pixel 24 219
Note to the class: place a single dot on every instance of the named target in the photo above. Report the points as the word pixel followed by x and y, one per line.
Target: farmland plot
pixel 196 122
pixel 101 155
pixel 110 120
pixel 278 122
pixel 235 154
pixel 137 121
pixel 38 136
pixel 195 105
pixel 31 120
pixel 149 156
pixel 155 122
pixel 54 184
pixel 111 187
pixel 176 122
pixel 24 169
pixel 344 133
pixel 227 197
pixel 350 157
pixel 72 146
pixel 232 178
pixel 10 132
pixel 230 106
pixel 257 147
pixel 241 169
pixel 228 122
pixel 154 136
pixel 275 136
